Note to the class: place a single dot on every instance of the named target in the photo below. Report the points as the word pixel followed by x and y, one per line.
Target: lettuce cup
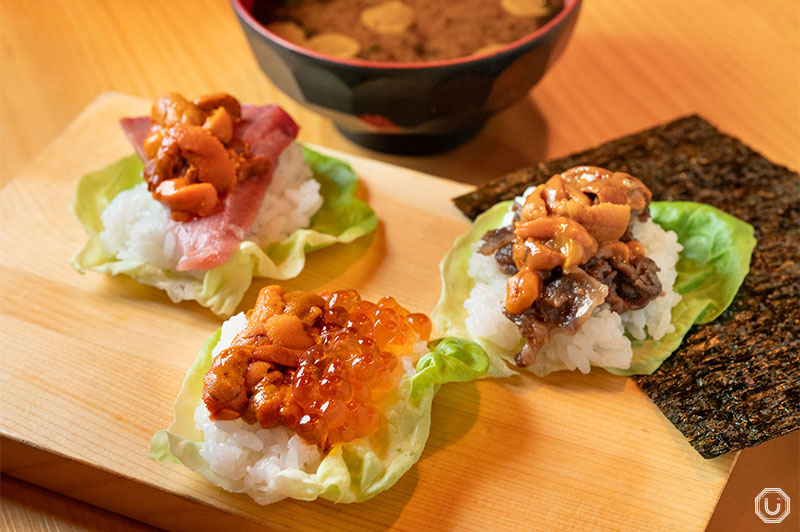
pixel 207 203
pixel 313 396
pixel 615 292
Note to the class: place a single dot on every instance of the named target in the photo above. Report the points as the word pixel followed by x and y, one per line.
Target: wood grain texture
pixel 629 65
pixel 28 508
pixel 93 365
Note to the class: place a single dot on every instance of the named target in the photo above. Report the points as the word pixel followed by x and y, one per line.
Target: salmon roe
pixel 317 364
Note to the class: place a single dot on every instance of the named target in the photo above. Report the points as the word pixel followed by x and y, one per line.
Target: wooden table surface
pixel 629 65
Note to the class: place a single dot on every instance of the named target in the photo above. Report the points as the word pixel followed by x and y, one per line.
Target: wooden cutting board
pixel 91 365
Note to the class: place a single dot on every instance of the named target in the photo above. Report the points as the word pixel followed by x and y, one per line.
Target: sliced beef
pixel 637 282
pixel 535 332
pixel 566 301
pixel 631 286
pixel 496 239
pixel 505 258
pixel 500 241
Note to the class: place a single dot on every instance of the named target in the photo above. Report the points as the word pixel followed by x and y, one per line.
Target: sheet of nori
pixel 735 382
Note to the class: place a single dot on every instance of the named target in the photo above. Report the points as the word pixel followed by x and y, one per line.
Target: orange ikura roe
pixel 317 364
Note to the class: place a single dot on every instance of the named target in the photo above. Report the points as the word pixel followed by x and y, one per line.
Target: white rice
pixel 135 224
pixel 258 460
pixel 655 320
pixel 291 200
pixel 135 229
pixel 601 341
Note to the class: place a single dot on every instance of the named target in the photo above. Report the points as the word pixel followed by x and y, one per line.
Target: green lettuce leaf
pixel 350 472
pixel 714 262
pixel 449 315
pixel 342 218
pixel 712 266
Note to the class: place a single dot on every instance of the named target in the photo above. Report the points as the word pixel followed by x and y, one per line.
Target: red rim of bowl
pixel 244 14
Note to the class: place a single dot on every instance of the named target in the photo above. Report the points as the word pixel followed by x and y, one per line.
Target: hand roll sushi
pixel 311 395
pixel 218 192
pixel 584 270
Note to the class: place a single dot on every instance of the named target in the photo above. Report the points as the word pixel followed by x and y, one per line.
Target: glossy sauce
pixel 573 217
pixel 317 364
pixel 193 159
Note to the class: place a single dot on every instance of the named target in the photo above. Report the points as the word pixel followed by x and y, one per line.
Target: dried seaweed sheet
pixel 735 382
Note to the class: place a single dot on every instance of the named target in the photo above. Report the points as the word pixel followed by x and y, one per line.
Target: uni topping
pixel 317 364
pixel 570 250
pixel 193 159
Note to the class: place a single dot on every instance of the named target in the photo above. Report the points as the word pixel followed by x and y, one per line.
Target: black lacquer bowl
pixel 408 108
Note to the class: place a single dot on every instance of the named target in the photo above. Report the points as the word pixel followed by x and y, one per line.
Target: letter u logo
pixel 782 505
pixel 778 508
